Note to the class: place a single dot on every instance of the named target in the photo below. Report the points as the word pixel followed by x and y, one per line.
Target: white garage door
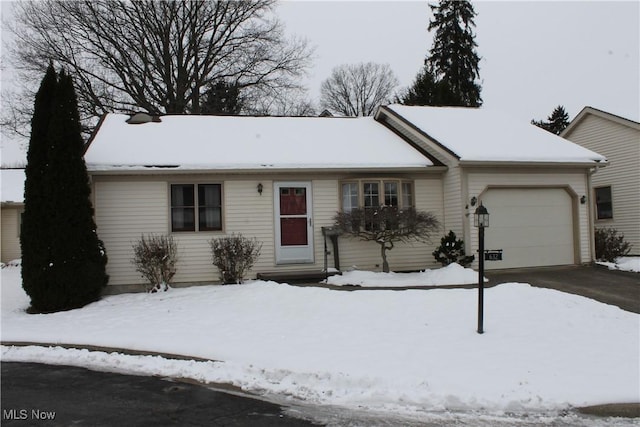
pixel 534 227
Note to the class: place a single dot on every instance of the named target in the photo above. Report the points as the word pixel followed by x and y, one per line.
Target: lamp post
pixel 481 220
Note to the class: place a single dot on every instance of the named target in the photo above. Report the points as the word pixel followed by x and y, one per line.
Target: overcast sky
pixel 535 55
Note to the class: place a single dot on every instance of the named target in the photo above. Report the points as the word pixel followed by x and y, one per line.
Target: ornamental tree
pixel 387 226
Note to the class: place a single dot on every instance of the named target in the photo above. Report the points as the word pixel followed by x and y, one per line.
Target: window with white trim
pixel 196 207
pixel 373 193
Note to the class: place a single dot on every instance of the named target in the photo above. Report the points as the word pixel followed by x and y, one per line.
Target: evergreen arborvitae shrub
pixel 451 250
pixel 155 258
pixel 75 272
pixel 610 245
pixel 36 223
pixel 234 256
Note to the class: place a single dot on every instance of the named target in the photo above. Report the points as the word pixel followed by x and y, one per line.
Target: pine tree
pixel 556 122
pixel 76 260
pixel 222 98
pixel 449 75
pixel 424 91
pixel 451 250
pixel 36 223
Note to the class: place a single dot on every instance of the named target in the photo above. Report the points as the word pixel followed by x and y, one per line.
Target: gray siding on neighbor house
pixel 128 206
pixel 10 219
pixel 620 143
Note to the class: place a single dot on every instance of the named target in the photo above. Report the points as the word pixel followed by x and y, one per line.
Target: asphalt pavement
pixel 49 395
pixel 620 288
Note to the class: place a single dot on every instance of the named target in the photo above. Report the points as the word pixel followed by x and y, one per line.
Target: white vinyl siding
pixel 10 219
pixel 620 144
pixel 125 210
pixel 127 207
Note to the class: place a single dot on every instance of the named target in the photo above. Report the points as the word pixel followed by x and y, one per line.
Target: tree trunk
pixel 383 252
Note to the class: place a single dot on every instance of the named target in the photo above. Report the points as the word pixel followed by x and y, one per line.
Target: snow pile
pixel 624 264
pixel 453 274
pixel 403 351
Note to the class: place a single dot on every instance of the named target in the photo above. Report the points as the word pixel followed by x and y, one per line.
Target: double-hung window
pixel 349 196
pixel 604 204
pixel 196 207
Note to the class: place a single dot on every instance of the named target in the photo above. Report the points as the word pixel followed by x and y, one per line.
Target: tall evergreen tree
pixel 75 273
pixel 222 98
pixel 451 70
pixel 556 122
pixel 36 224
pixel 424 91
pixel 453 57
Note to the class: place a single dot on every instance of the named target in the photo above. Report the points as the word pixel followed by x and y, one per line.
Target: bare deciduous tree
pixel 358 89
pixel 159 56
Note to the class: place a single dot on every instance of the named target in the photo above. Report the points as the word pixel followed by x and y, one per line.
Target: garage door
pixel 534 227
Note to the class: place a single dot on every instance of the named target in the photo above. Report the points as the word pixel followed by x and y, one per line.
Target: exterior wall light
pixel 583 199
pixel 260 188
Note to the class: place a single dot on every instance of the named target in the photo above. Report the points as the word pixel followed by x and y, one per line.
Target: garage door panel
pixel 533 227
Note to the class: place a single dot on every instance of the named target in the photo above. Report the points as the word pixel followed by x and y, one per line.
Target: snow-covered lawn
pixel 624 264
pixel 407 351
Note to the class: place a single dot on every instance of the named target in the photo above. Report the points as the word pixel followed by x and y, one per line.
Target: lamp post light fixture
pixel 481 220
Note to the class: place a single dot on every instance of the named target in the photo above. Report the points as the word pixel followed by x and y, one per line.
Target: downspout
pixel 591 213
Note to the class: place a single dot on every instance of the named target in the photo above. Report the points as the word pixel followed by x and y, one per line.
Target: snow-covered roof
pixel 479 134
pixel 248 143
pixel 12 185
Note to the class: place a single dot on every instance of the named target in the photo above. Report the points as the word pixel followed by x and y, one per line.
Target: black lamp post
pixel 481 220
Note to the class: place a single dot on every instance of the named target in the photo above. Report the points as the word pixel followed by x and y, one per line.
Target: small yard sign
pixel 493 255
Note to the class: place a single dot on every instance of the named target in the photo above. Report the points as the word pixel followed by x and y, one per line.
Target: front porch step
pixel 296 276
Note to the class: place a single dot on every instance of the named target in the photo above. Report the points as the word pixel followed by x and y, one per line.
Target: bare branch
pixel 159 56
pixel 357 90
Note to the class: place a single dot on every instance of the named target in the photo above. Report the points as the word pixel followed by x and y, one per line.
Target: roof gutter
pixel 262 171
pixel 531 164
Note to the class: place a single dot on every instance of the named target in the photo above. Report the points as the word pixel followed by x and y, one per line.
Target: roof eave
pixel 262 171
pixel 586 111
pixel 532 164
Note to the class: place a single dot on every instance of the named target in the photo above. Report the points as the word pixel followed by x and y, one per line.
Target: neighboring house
pixel 11 208
pixel 282 179
pixel 615 197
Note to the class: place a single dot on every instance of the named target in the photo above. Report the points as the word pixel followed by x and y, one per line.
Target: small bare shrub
pixel 155 257
pixel 234 256
pixel 610 245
